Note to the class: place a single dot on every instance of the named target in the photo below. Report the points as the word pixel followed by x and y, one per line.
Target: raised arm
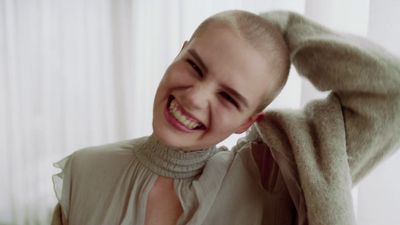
pixel 331 144
pixel 364 77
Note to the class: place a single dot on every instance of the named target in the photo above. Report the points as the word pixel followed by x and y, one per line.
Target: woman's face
pixel 210 90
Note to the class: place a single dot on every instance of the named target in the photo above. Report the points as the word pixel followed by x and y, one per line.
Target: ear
pixel 245 126
pixel 185 43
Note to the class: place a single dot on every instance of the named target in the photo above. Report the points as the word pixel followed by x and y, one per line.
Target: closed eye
pixel 195 67
pixel 227 97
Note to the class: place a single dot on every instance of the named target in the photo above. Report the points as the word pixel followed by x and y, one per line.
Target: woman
pixel 292 167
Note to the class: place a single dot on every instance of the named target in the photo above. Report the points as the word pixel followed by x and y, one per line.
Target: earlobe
pixel 244 127
pixel 255 118
pixel 260 117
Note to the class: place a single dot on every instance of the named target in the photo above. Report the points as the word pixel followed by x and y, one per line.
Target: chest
pixel 163 205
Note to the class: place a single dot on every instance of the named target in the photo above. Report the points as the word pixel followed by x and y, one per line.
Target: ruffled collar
pixel 170 161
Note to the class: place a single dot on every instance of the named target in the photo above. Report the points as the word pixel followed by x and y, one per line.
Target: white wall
pixel 379 193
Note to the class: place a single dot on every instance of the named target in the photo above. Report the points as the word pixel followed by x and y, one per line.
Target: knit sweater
pixel 334 142
pixel 294 167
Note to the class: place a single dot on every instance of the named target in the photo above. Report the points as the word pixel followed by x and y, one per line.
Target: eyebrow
pixel 232 91
pixel 236 94
pixel 196 56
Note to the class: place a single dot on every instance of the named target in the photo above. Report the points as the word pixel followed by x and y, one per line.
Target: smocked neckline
pixel 172 162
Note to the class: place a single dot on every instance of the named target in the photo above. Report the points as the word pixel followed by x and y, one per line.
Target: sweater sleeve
pixel 363 77
pixel 326 148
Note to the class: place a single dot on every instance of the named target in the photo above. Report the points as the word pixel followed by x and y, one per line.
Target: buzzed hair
pixel 264 37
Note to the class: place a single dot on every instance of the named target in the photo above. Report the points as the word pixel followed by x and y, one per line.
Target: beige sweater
pixel 318 154
pixel 334 142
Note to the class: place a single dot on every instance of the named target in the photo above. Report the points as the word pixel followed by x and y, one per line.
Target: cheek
pixel 224 119
pixel 177 75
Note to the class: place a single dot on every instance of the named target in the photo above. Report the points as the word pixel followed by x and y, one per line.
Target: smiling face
pixel 210 90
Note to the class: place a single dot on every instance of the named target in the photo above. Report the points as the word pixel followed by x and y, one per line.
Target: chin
pixel 170 137
pixel 165 136
pixel 173 140
pixel 161 136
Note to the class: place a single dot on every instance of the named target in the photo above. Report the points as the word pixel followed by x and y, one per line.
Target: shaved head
pixel 265 38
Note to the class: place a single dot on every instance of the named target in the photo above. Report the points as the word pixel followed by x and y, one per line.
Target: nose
pixel 197 97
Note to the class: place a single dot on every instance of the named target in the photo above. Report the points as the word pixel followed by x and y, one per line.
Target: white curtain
pixel 84 72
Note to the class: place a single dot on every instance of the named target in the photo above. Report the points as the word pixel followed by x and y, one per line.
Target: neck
pixel 170 161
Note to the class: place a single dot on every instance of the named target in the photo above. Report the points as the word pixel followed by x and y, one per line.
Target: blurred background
pixel 75 73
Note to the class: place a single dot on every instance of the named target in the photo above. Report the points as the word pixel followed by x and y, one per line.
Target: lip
pixel 174 122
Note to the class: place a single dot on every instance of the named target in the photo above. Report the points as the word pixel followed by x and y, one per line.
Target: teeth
pixel 189 123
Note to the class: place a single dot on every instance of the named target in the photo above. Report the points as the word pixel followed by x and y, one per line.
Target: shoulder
pixel 104 158
pixel 93 171
pixel 222 157
pixel 225 159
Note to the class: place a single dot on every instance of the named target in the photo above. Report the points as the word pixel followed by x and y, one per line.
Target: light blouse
pixel 110 184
